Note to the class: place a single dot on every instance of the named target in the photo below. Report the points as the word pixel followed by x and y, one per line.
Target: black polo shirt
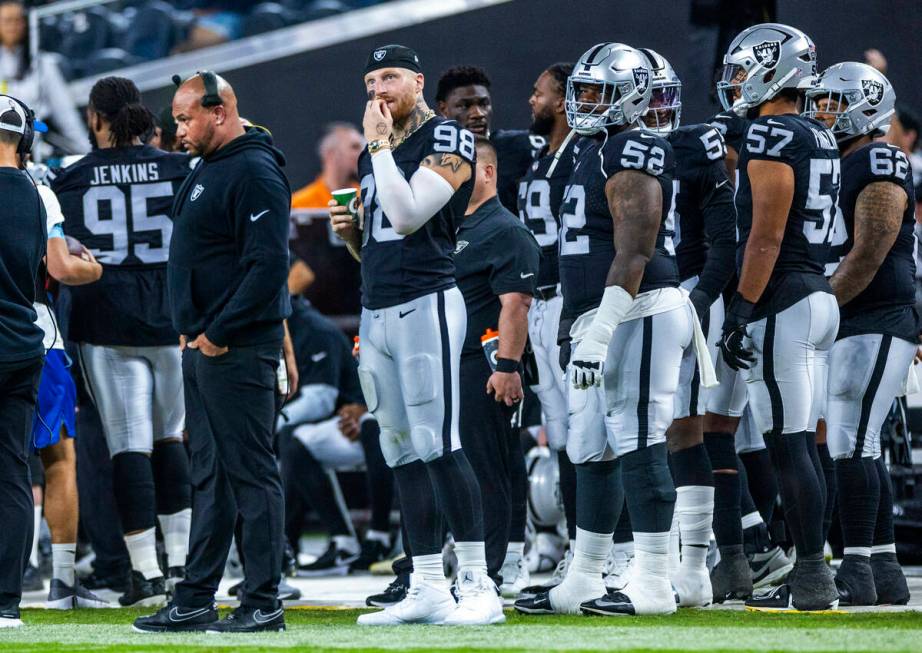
pixel 496 254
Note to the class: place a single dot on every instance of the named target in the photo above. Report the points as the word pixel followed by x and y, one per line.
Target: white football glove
pixel 588 363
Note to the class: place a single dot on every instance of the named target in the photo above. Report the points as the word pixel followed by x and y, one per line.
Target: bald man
pixel 227 275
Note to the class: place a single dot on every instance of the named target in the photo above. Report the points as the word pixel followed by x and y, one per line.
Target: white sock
pixel 627 548
pixel 752 519
pixel 590 552
pixel 572 546
pixel 863 551
pixel 429 567
pixel 472 556
pixel 675 557
pixel 694 508
pixel 378 536
pixel 176 529
pixel 651 553
pixel 347 543
pixel 62 562
pixel 36 533
pixel 883 548
pixel 142 549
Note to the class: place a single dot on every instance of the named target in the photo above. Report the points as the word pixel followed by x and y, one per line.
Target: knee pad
pixel 721 450
pixel 396 448
pixel 646 473
pixel 133 485
pixel 369 389
pixel 427 443
pixel 170 465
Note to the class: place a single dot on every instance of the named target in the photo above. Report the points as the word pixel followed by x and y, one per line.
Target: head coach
pixel 227 274
pixel 22 353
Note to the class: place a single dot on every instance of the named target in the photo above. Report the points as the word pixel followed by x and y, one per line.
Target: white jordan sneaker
pixel 693 586
pixel 478 602
pixel 515 577
pixel 426 602
pixel 643 595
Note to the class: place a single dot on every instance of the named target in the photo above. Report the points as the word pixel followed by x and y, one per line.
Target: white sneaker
pixel 10 622
pixel 618 570
pixel 575 589
pixel 515 577
pixel 693 586
pixel 645 594
pixel 546 551
pixel 426 603
pixel 478 602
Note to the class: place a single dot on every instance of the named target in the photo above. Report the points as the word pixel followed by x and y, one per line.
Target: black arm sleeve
pixel 720 227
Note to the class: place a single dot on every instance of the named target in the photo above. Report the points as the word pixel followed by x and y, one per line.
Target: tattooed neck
pixel 412 122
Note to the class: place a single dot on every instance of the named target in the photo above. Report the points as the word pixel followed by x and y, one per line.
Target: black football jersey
pixel 540 197
pixel 118 203
pixel 397 269
pixel 705 225
pixel 586 236
pixel 516 149
pixel 732 127
pixel 887 304
pixel 810 149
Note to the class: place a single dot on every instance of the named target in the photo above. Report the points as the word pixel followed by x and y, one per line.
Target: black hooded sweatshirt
pixel 228 265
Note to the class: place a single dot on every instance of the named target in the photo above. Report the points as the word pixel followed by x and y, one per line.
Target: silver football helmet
pixel 665 111
pixel 622 77
pixel 761 61
pixel 545 505
pixel 858 96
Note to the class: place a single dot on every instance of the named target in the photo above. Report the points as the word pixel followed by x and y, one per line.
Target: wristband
pixel 377 145
pixel 507 365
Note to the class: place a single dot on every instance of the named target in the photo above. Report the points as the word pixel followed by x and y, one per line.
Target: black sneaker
pixel 731 578
pixel 769 567
pixel 144 593
pixel 372 551
pixel 176 619
pixel 288 592
pixel 334 562
pixel 889 579
pixel 62 596
pixel 174 576
pixel 249 620
pixel 118 583
pixel 9 618
pixel 32 580
pixel 539 603
pixel 395 593
pixel 813 590
pixel 855 581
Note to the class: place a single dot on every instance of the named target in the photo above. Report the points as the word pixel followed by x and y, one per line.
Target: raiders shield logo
pixel 461 245
pixel 873 91
pixel 641 79
pixel 767 53
pixel 197 191
pixel 379 54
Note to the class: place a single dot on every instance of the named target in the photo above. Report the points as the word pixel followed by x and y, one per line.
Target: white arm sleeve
pixel 408 205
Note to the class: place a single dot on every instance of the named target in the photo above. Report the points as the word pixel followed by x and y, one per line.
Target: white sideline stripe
pixel 313 35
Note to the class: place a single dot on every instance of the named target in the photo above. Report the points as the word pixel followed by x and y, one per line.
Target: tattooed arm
pixel 636 204
pixel 878 216
pixel 450 167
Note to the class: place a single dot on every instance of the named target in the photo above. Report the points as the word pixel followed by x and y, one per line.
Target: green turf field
pixel 313 630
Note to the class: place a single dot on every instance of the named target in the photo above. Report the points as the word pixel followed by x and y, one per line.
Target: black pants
pixel 494 450
pixel 18 389
pixel 230 412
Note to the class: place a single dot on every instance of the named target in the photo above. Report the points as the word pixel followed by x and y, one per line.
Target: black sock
pixel 418 510
pixel 883 531
pixel 568 491
pixel 170 465
pixel 649 490
pixel 379 475
pixel 801 490
pixel 832 487
pixel 133 485
pixel 728 527
pixel 810 443
pixel 623 531
pixel 858 500
pixel 762 485
pixel 691 467
pixel 747 504
pixel 457 494
pixel 600 496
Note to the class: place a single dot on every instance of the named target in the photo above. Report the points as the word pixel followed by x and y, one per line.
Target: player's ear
pixel 420 82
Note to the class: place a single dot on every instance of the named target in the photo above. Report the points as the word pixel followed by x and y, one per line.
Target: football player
pixel 705 241
pixel 118 200
pixel 620 282
pixel 463 94
pixel 873 280
pixel 540 196
pixel 783 310
pixel 416 177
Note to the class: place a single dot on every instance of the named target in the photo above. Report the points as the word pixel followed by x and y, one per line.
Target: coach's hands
pixel 204 345
pixel 735 354
pixel 505 387
pixel 377 122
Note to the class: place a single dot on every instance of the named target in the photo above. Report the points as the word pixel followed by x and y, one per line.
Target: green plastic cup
pixel 348 197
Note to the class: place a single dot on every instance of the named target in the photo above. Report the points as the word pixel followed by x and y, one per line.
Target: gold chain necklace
pixel 429 114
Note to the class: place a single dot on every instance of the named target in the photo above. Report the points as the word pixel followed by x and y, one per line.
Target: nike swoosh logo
pixel 721 183
pixel 403 315
pixel 261 618
pixel 254 218
pixel 176 615
pixel 318 357
pixel 775 122
pixel 525 276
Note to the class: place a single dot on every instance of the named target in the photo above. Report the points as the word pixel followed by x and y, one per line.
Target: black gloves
pixel 734 330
